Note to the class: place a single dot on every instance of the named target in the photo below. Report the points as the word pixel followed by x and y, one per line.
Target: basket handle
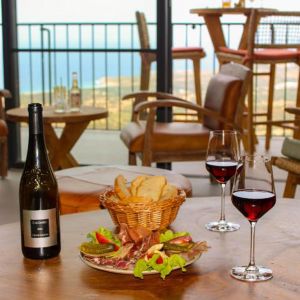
pixel 103 196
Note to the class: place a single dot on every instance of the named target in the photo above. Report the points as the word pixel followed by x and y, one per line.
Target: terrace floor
pixel 105 148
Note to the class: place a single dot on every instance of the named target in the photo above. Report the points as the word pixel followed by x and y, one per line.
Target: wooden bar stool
pixel 195 54
pixel 272 40
pixel 79 187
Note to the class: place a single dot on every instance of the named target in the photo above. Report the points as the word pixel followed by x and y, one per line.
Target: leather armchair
pixel 155 141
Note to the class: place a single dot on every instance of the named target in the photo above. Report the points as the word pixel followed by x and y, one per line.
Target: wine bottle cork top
pixel 35 107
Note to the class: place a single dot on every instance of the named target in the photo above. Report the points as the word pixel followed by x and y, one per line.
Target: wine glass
pixel 253 194
pixel 221 162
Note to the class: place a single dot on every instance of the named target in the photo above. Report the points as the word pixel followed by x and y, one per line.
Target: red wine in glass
pixel 222 161
pixel 253 204
pixel 222 170
pixel 253 194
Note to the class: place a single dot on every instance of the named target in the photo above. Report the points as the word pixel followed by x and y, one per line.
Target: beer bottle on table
pixel 38 195
pixel 75 94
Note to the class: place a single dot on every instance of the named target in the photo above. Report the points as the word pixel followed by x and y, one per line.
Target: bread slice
pixel 152 187
pixel 136 183
pixel 120 187
pixel 169 192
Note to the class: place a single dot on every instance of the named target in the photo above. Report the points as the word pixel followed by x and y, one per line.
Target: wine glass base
pixel 222 226
pixel 257 274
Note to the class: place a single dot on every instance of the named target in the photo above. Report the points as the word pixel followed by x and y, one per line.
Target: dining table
pixel 68 277
pixel 74 124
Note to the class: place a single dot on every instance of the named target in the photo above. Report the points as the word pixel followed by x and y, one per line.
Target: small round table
pixel 75 123
pixel 80 187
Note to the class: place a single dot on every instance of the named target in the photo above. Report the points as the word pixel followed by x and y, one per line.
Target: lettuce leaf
pixel 170 235
pixel 169 263
pixel 154 266
pixel 140 266
pixel 177 260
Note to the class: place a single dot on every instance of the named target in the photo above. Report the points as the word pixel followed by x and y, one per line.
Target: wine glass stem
pixel 252 246
pixel 222 217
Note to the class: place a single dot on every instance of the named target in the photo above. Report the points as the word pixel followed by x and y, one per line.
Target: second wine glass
pixel 222 158
pixel 253 195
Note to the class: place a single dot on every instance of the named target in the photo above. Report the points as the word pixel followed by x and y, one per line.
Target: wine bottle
pixel 38 195
pixel 75 94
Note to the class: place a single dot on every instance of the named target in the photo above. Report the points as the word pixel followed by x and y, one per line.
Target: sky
pixel 123 10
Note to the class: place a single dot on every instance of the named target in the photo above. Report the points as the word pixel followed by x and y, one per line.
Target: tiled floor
pixel 98 147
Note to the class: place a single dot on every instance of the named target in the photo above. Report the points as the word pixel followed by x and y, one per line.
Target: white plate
pixel 130 272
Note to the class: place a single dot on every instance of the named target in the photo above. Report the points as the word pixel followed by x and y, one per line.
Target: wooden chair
pixel 292 166
pixel 177 141
pixel 3 134
pixel 270 39
pixel 195 54
pixel 290 162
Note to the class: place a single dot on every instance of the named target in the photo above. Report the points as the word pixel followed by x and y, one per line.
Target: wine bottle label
pixel 40 228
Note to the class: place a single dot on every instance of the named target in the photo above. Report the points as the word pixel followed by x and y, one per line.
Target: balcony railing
pixel 106 57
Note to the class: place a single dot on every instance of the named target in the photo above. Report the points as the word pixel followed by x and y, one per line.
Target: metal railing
pixel 106 57
pixel 49 53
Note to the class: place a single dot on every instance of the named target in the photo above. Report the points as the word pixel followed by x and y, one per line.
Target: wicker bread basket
pixel 154 215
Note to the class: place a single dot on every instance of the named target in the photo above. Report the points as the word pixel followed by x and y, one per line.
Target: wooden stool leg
pixel 245 141
pixel 290 186
pixel 145 75
pixel 270 105
pixel 297 117
pixel 251 131
pixel 197 80
pixel 132 159
pixel 147 157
